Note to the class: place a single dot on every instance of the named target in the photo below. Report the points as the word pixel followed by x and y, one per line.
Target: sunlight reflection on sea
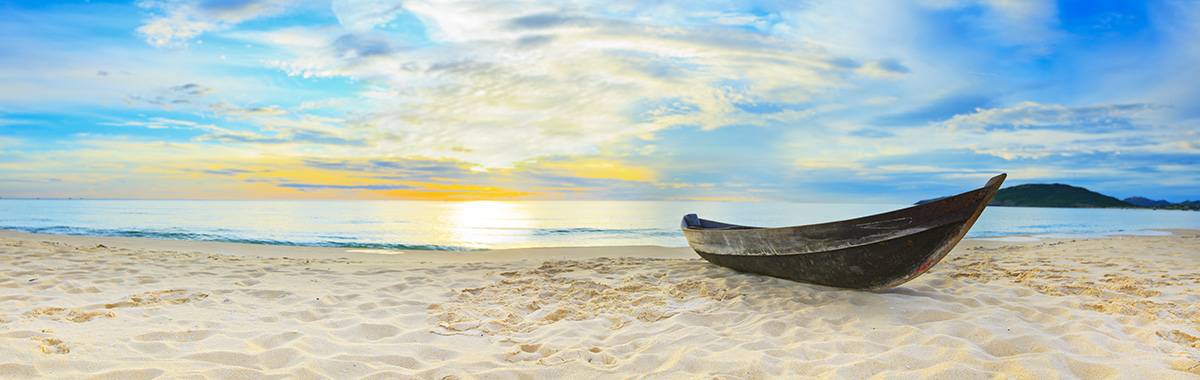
pixel 398 225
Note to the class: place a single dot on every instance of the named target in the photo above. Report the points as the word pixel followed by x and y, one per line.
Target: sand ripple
pixel 522 301
pixel 1121 308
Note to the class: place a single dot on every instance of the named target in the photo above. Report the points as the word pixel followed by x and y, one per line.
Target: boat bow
pixel 872 252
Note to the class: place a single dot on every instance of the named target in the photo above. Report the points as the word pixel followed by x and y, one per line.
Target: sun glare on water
pixel 487 224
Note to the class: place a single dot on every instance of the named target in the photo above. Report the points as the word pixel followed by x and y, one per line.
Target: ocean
pixel 409 225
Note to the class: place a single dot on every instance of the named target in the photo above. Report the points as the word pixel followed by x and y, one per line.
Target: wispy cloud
pixel 160 123
pixel 174 22
pixel 171 97
pixel 301 130
pixel 1091 119
pixel 310 186
pixel 515 83
pixel 470 99
pixel 226 109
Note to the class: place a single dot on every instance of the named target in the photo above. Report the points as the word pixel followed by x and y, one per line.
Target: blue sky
pixel 808 101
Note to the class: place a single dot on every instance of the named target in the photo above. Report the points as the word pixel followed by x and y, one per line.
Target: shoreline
pixel 356 254
pixel 509 254
pixel 71 307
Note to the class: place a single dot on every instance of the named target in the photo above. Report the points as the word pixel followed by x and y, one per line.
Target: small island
pixel 1060 195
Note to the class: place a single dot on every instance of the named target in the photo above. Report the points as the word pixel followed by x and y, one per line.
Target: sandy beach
pixel 72 307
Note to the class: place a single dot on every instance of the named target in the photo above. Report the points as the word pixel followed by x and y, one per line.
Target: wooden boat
pixel 869 253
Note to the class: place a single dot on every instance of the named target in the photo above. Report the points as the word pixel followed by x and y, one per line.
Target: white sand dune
pixel 1125 307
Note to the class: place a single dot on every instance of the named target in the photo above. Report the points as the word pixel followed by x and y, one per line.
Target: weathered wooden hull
pixel 869 253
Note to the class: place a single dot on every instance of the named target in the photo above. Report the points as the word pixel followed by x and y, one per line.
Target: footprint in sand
pixel 528 352
pixel 88 314
pixel 53 345
pixel 162 297
pixel 1180 338
pixel 538 297
pixel 175 336
pixel 145 280
pixel 73 315
pixel 79 290
pixel 544 355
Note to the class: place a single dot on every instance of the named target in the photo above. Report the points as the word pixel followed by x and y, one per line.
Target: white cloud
pixel 158 123
pixel 1049 139
pixel 363 15
pixel 516 82
pixel 163 32
pixel 1033 131
pixel 182 20
pixel 888 68
pixel 1033 115
pixel 230 110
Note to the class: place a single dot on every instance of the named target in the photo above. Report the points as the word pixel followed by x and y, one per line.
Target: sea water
pixel 402 225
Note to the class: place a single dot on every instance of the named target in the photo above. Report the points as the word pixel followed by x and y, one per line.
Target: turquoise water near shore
pixel 494 225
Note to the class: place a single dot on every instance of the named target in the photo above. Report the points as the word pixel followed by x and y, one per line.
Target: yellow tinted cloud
pixel 444 192
pixel 296 178
pixel 596 167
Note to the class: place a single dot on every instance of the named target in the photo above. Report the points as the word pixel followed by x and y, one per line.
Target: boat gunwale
pixel 861 243
pixel 942 220
pixel 909 209
pixel 953 215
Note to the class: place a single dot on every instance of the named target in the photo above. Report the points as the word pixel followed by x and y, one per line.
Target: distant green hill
pixel 1055 195
pixel 1145 202
pixel 1185 205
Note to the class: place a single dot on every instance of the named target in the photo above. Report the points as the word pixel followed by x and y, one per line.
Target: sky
pixel 798 101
